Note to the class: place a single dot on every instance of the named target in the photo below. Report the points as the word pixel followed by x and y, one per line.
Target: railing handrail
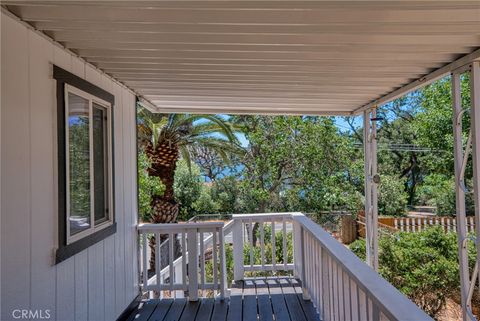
pixel 152 227
pixel 269 216
pixel 393 303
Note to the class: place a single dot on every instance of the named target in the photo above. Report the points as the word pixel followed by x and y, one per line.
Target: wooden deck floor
pixel 278 299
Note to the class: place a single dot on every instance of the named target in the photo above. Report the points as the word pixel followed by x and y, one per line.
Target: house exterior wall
pixel 99 282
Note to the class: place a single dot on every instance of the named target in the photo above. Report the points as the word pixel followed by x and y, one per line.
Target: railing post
pixel 223 267
pixel 237 235
pixel 297 249
pixel 192 241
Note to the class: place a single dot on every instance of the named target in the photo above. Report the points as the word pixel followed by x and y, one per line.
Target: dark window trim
pixel 65 251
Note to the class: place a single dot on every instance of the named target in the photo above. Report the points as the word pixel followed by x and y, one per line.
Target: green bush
pixel 422 265
pixel 392 198
pixel 439 191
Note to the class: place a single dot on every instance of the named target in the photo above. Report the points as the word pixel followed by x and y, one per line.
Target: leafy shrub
pixel 422 265
pixel 194 196
pixel 392 198
pixel 439 191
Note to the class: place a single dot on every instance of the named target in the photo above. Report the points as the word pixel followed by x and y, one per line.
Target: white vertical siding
pixel 98 283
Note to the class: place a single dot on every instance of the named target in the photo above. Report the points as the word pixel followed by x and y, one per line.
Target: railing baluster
pixel 285 258
pixel 223 269
pixel 171 243
pixel 346 296
pixel 214 255
pixel 321 286
pixel 192 265
pixel 184 260
pixel 341 311
pixel 157 259
pixel 250 233
pixel 354 300
pixel 202 263
pixel 262 244
pixel 325 305
pixel 362 305
pixel 274 259
pixel 330 288
pixel 144 259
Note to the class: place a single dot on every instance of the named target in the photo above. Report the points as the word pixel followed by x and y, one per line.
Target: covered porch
pixel 321 58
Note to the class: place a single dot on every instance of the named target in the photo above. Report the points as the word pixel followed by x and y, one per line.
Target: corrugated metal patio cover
pixel 307 57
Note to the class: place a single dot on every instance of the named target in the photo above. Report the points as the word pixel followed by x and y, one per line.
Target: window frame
pixel 70 245
pixel 109 221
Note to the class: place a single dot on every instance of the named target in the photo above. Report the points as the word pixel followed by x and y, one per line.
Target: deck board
pixel 220 310
pixel 263 299
pixel 249 301
pixel 161 310
pixel 175 310
pixel 265 312
pixel 278 301
pixel 205 310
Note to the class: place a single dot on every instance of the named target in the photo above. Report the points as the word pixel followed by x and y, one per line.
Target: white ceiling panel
pixel 267 57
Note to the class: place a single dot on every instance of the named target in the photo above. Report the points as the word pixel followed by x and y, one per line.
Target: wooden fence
pixel 414 224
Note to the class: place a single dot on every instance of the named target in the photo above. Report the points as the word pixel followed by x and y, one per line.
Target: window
pixel 85 164
pixel 88 177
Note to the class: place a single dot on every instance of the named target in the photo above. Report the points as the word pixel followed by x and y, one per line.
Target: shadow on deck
pixel 264 299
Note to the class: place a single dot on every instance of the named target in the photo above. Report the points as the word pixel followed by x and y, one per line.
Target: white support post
pixel 223 266
pixel 460 193
pixel 237 238
pixel 475 128
pixel 297 250
pixel 192 241
pixel 461 157
pixel 371 197
pixel 374 170
pixel 475 98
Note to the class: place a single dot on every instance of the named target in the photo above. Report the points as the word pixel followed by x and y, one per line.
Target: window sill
pixel 70 250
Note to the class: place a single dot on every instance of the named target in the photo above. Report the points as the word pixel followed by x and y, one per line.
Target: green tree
pixel 166 138
pixel 296 163
pixel 193 195
pixel 392 199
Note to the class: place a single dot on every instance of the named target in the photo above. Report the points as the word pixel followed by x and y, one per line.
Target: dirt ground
pixel 451 312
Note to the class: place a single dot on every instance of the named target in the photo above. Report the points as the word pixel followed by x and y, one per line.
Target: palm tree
pixel 166 138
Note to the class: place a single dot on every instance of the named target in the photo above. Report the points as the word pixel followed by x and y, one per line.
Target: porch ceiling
pixel 284 57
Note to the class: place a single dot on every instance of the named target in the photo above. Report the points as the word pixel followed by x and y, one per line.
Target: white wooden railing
pixel 185 274
pixel 243 235
pixel 340 285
